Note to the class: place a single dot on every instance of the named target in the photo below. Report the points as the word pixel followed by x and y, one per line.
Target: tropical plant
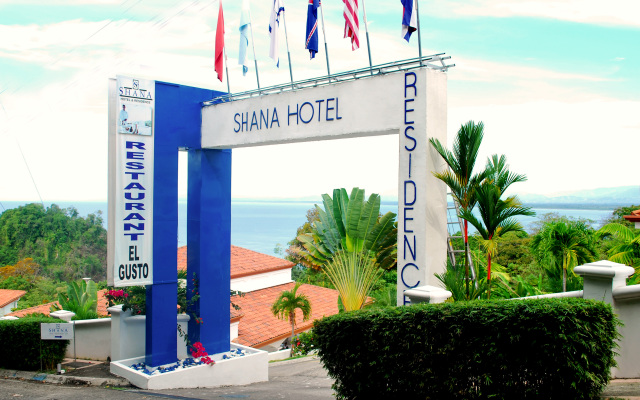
pixel 563 245
pixel 459 176
pixel 353 274
pixel 452 280
pixel 497 215
pixel 627 250
pixel 80 298
pixel 286 305
pixel 351 224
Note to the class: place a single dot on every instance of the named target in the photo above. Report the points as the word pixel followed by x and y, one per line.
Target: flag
pixel 312 28
pixel 220 43
pixel 351 22
pixel 409 18
pixel 274 26
pixel 245 21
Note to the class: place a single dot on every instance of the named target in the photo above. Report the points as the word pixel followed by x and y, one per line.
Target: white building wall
pixel 261 281
pixel 92 339
pixel 7 309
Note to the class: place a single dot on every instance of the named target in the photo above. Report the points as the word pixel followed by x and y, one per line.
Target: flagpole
pixel 226 67
pixel 255 61
pixel 419 32
pixel 366 29
pixel 324 35
pixel 286 38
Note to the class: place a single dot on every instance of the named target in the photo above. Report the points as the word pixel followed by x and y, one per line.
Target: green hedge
pixel 21 345
pixel 523 349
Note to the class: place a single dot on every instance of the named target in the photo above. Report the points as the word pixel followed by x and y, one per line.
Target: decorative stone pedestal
pixel 427 294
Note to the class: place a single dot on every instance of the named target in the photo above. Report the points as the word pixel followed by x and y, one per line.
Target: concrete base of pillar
pixel 251 368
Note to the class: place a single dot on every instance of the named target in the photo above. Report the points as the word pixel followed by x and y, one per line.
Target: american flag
pixel 351 22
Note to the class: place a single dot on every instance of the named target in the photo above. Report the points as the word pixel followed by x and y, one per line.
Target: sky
pixel 555 82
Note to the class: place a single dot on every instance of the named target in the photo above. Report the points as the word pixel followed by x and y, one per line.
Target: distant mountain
pixel 616 196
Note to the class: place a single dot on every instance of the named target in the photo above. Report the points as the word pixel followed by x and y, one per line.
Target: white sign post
pixel 54 331
pixel 130 223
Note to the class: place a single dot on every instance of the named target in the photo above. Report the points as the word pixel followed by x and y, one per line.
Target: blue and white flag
pixel 409 18
pixel 311 43
pixel 274 26
pixel 245 21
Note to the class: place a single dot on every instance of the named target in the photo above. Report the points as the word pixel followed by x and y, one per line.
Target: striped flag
pixel 220 43
pixel 244 37
pixel 274 26
pixel 311 43
pixel 351 22
pixel 409 18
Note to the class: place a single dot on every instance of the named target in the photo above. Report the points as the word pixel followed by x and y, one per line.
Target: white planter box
pixel 253 367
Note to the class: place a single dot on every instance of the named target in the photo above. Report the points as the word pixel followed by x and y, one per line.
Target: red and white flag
pixel 351 22
pixel 220 44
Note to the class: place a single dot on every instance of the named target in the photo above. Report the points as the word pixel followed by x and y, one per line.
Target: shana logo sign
pixel 135 91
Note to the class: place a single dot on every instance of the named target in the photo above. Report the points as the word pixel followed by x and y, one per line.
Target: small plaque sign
pixel 61 331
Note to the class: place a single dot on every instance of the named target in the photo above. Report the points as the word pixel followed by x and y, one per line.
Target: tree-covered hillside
pixel 65 245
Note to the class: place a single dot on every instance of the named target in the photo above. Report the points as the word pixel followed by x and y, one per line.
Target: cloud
pixel 610 13
pixel 546 121
pixel 560 146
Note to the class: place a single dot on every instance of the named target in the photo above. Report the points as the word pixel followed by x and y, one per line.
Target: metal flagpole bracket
pixel 324 35
pixel 435 61
pixel 366 30
pixel 286 38
pixel 419 32
pixel 255 60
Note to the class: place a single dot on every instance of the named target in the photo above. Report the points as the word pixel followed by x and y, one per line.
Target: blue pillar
pixel 162 296
pixel 209 246
pixel 178 119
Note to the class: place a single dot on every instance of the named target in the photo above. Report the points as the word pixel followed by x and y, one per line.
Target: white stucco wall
pixel 7 309
pixel 234 330
pixel 261 281
pixel 627 307
pixel 92 339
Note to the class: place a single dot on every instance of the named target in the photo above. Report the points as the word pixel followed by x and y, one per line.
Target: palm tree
pixel 353 274
pixel 459 177
pixel 564 244
pixel 628 250
pixel 349 223
pixel 497 215
pixel 286 305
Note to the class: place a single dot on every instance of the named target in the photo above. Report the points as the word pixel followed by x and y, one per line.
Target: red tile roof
pixel 244 262
pixel 634 217
pixel 40 309
pixel 8 296
pixel 258 327
pixel 44 308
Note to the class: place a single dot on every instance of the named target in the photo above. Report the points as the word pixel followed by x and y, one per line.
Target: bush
pixel 21 345
pixel 304 343
pixel 522 349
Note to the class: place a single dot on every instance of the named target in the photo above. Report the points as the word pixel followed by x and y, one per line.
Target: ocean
pixel 265 225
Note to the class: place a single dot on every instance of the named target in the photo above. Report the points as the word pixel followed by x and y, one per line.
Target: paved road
pixel 295 379
pixel 302 378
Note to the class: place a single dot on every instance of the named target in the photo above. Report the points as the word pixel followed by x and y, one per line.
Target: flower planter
pixel 250 368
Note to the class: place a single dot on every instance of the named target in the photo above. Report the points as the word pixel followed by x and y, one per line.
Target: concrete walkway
pixel 302 378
